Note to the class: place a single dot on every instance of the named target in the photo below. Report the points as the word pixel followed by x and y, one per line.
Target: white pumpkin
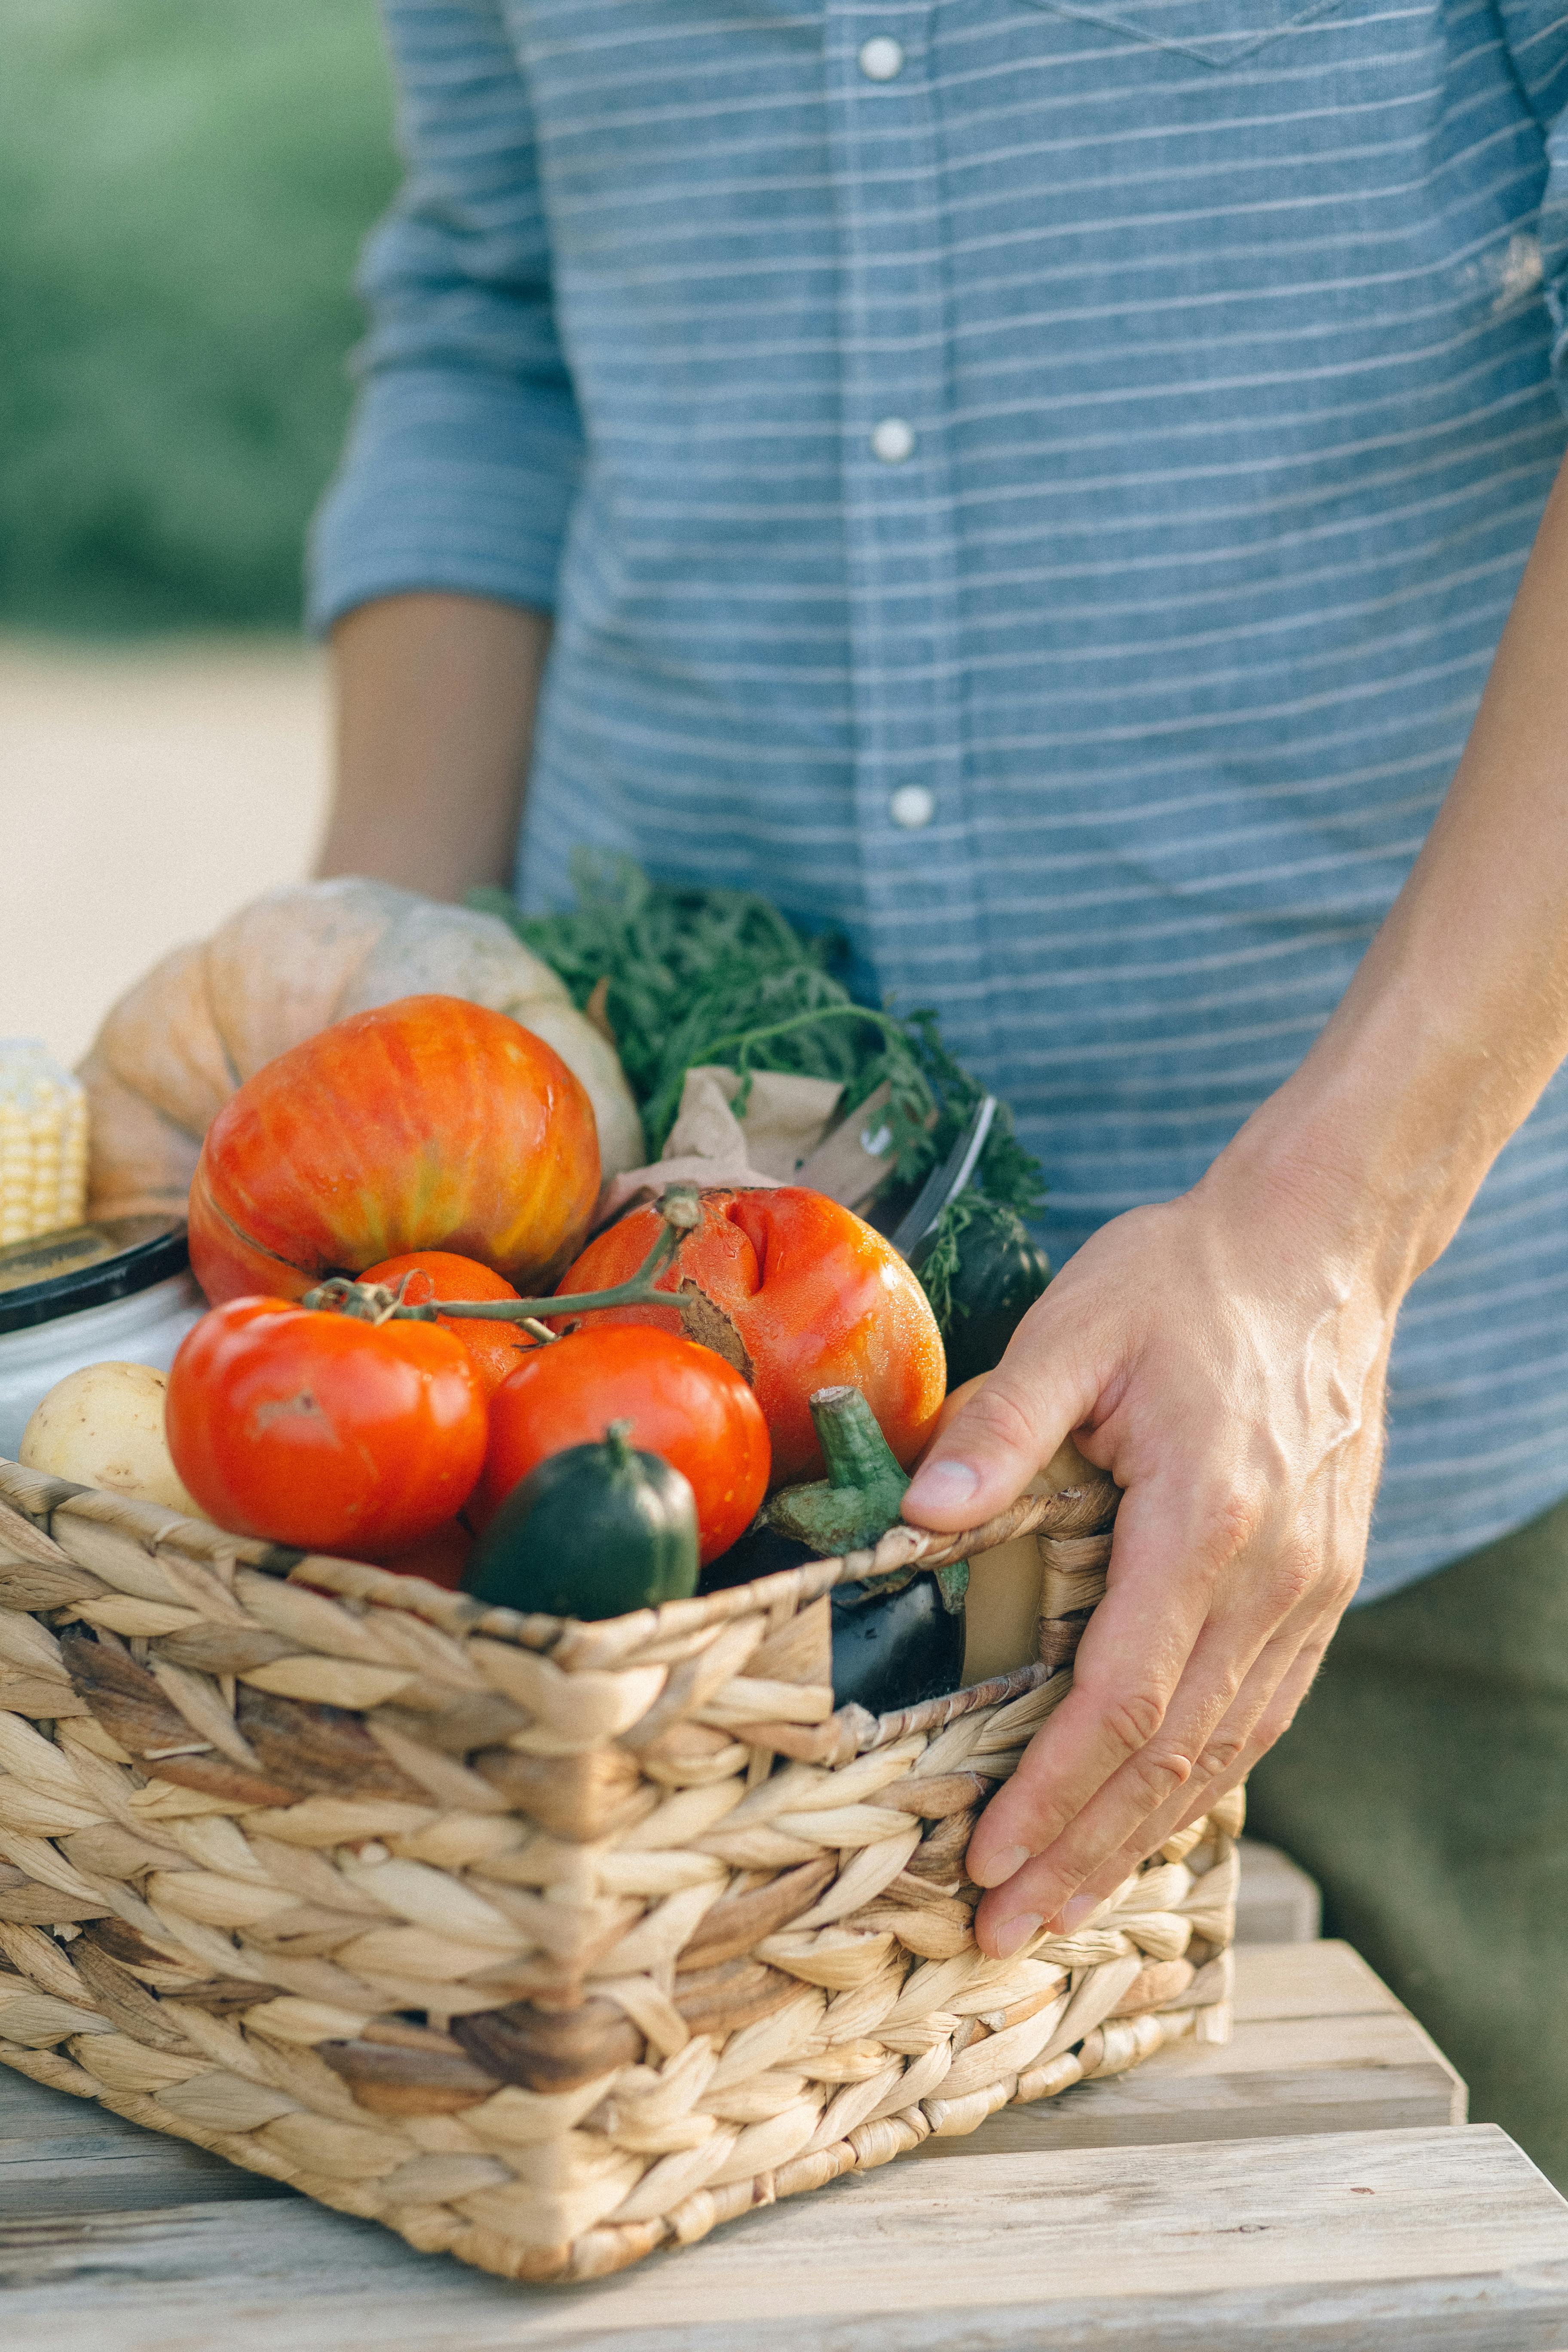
pixel 200 1022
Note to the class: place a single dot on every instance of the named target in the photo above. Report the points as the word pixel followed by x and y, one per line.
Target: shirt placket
pixel 907 686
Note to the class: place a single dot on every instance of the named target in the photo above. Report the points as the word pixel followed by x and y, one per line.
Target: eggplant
pixel 893 1648
pixel 763 1550
pixel 896 1639
pixel 594 1531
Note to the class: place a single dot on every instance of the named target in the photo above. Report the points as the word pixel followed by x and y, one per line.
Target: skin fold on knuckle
pixel 1156 1774
pixel 996 1424
pixel 1221 1751
pixel 1235 1523
pixel 1130 1717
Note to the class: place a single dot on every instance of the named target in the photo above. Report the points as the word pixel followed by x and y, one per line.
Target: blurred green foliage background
pixel 183 186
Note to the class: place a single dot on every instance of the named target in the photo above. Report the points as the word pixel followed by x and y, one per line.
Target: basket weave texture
pixel 544 1943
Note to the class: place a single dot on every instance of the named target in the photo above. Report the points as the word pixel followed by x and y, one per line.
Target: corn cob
pixel 43 1143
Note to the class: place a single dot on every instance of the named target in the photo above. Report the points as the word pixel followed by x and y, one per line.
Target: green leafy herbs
pixel 690 976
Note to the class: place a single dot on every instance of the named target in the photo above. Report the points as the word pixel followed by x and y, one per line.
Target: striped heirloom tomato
pixel 429 1124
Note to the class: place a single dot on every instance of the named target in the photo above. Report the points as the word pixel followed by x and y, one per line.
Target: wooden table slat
pixel 1408 2240
pixel 1277 1903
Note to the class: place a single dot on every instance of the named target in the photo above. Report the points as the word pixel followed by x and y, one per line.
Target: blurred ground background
pixel 184 184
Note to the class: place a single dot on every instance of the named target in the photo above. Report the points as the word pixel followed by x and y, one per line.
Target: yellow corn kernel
pixel 43 1143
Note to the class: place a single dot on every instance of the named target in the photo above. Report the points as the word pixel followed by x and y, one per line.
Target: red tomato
pixel 496 1348
pixel 318 1430
pixel 426 1124
pixel 808 1296
pixel 439 1560
pixel 683 1402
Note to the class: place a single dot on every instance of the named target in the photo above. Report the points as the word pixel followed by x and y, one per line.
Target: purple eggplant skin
pixel 760 1552
pixel 894 1649
pixel 890 1649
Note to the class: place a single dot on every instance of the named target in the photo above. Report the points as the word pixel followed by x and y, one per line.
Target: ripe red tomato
pixel 683 1402
pixel 803 1295
pixel 426 1124
pixel 439 1560
pixel 318 1430
pixel 495 1349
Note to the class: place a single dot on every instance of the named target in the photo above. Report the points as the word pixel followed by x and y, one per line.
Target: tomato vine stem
pixel 375 1302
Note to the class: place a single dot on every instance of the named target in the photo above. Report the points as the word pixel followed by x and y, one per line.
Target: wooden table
pixel 1311 2184
pixel 1277 1902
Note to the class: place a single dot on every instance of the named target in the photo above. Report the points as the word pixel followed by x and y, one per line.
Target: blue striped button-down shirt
pixel 1037 485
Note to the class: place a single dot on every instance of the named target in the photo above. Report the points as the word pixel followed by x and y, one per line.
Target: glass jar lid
pixel 87 1265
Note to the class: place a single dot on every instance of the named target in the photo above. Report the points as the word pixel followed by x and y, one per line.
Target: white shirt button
pixel 893 440
pixel 913 807
pixel 882 58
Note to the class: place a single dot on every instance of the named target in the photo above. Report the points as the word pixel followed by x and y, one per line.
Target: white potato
pixel 103 1426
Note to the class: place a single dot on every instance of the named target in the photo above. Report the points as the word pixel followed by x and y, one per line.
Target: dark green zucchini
pixel 595 1530
pixel 982 1273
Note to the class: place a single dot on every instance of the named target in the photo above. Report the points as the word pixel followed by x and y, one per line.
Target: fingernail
pixel 1014 1932
pixel 1077 1909
pixel 1001 1866
pixel 943 1487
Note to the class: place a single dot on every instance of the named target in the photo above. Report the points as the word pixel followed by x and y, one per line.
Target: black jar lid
pixel 87 1265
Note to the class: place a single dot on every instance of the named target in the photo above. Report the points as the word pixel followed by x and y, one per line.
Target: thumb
pixel 989 1452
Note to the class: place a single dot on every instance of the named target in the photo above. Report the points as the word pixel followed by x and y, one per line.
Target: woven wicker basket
pixel 544 1943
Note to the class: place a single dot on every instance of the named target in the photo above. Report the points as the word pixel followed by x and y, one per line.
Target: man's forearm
pixel 436 697
pixel 1458 1013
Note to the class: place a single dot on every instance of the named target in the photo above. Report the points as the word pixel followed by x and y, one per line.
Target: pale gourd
pixel 103 1426
pixel 174 1048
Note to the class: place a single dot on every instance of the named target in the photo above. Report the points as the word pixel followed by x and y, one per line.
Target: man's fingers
pixel 1272 1724
pixel 990 1451
pixel 1130 1666
pixel 1262 1709
pixel 1226 1689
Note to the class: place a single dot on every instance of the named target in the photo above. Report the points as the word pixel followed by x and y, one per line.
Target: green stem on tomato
pixel 373 1302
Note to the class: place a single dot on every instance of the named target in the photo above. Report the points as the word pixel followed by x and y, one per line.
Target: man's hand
pixel 1224 1356
pixel 1225 1361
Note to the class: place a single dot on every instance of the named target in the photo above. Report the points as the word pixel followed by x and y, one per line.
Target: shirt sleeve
pixel 464 449
pixel 1536 32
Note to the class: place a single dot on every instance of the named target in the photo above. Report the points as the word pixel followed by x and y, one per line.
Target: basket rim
pixel 30 1499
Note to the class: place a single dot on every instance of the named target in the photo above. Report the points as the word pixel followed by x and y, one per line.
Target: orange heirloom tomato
pixel 319 1430
pixel 683 1402
pixel 801 1294
pixel 496 1348
pixel 430 1124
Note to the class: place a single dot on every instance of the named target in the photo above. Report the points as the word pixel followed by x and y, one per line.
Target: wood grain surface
pixel 1278 1904
pixel 1256 2223
pixel 1412 2240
